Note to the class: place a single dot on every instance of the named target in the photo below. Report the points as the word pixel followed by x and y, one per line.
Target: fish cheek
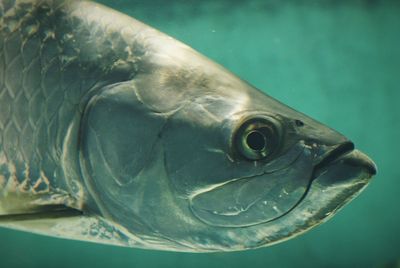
pixel 254 200
pixel 192 158
pixel 197 151
pixel 116 140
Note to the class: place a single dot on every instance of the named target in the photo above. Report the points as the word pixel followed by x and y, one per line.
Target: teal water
pixel 337 61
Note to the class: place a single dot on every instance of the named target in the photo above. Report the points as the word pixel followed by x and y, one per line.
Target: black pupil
pixel 256 141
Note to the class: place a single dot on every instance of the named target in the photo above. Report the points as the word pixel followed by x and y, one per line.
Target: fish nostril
pixel 299 123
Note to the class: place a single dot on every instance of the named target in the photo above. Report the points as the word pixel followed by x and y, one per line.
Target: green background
pixel 337 61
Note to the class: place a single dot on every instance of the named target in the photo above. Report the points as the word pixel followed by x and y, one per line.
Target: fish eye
pixel 257 138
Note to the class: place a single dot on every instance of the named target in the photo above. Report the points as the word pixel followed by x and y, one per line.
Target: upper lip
pixel 331 156
pixel 334 153
pixel 338 152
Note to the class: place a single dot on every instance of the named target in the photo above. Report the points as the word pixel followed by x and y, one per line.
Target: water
pixel 337 61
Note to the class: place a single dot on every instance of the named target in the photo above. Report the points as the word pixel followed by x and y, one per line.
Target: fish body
pixel 113 132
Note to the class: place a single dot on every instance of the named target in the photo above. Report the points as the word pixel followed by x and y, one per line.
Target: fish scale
pixel 44 76
pixel 27 123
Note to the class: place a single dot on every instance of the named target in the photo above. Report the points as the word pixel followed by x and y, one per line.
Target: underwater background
pixel 336 61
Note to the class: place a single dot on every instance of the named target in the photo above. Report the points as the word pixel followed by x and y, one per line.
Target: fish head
pixel 195 159
pixel 259 170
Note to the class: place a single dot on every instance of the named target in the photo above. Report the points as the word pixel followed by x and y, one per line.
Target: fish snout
pixel 330 147
pixel 344 154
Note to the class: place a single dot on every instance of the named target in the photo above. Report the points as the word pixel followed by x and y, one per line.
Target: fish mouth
pixel 344 153
pixel 338 177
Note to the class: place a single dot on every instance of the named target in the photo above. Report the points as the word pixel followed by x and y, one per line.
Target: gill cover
pixel 117 139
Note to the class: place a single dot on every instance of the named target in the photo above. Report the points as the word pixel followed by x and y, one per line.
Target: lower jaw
pixel 327 194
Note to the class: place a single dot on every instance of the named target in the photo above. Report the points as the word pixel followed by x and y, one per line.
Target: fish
pixel 113 132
